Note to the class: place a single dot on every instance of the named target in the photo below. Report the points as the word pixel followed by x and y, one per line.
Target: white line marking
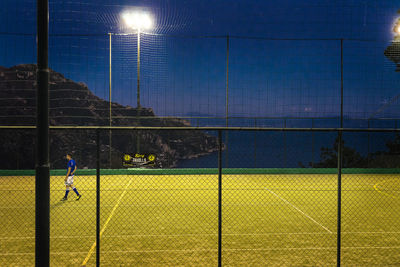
pixel 106 223
pixel 299 210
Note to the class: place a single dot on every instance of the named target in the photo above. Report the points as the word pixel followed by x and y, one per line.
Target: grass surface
pixel 161 220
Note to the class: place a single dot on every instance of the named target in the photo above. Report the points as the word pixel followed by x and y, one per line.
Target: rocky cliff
pixel 73 103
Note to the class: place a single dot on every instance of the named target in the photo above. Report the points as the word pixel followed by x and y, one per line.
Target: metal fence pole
pixel 227 100
pixel 226 149
pixel 341 83
pixel 339 208
pixel 312 144
pixel 284 146
pixel 110 96
pixel 42 181
pixel 255 144
pixel 98 198
pixel 340 161
pixel 227 82
pixel 219 198
pixel 369 145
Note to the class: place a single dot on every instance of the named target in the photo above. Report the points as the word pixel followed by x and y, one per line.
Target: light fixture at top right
pixel 137 20
pixel 397 28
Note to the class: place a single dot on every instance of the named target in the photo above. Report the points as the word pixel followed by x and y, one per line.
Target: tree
pixel 392 52
pixel 389 158
pixel 351 158
pixel 394 146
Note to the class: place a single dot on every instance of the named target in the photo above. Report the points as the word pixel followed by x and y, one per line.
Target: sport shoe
pixel 78 197
pixel 64 199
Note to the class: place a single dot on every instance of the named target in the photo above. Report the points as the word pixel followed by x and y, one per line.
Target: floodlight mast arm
pixel 138 91
pixel 138 21
pixel 138 68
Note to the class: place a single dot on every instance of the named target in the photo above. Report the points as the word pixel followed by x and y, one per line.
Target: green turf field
pixel 172 220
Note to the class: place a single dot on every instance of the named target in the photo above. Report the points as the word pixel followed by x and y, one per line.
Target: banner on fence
pixel 139 160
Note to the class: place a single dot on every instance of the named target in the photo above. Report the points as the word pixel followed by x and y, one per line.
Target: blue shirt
pixel 71 164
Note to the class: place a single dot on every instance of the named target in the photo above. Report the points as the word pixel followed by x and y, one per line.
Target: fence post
pixel 340 160
pixel 98 197
pixel 227 100
pixel 110 96
pixel 227 83
pixel 312 143
pixel 255 144
pixel 226 149
pixel 284 145
pixel 219 198
pixel 42 177
pixel 339 208
pixel 369 144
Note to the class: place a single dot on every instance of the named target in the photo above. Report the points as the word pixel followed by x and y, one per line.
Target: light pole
pixel 109 86
pixel 138 21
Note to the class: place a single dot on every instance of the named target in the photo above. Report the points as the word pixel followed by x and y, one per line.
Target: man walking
pixel 69 178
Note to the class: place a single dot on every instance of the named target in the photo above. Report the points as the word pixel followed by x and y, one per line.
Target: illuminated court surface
pixel 267 219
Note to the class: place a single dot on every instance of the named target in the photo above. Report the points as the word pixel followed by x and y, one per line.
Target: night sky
pixel 183 71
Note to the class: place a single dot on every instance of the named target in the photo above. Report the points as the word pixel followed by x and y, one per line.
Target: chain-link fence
pixel 17 197
pixel 197 197
pixel 238 81
pixel 293 190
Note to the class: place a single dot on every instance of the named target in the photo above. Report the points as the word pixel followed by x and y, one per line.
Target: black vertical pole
pixel 284 145
pixel 339 224
pixel 98 198
pixel 340 160
pixel 219 198
pixel 312 144
pixel 227 83
pixel 42 181
pixel 227 102
pixel 341 83
pixel 369 145
pixel 226 149
pixel 110 95
pixel 255 144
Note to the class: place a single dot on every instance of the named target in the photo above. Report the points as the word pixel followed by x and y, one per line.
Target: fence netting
pixel 160 205
pixel 205 80
pixel 17 198
pixel 262 196
pixel 370 201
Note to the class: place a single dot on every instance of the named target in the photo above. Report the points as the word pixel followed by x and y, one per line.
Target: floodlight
pixel 397 29
pixel 138 20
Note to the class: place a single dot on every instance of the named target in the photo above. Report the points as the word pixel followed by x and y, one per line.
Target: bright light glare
pixel 397 29
pixel 136 20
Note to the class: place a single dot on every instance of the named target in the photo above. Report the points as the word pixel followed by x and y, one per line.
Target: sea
pixel 282 149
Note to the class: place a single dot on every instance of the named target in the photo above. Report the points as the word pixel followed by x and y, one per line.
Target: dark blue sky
pixel 187 76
